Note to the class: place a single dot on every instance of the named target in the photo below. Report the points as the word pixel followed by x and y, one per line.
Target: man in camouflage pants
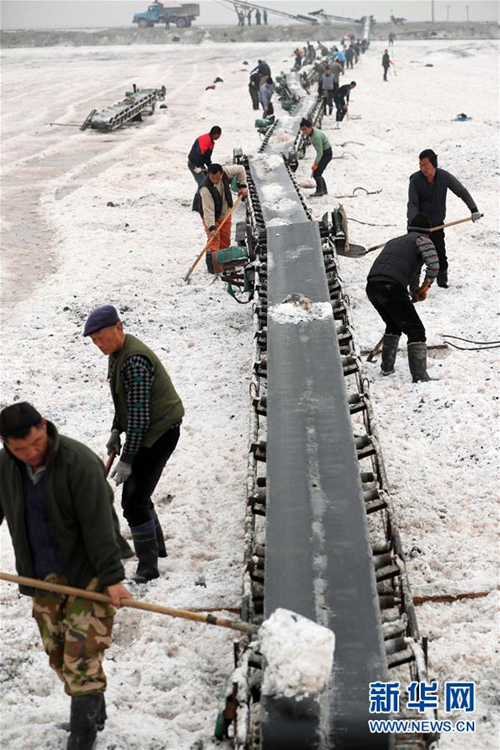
pixel 58 506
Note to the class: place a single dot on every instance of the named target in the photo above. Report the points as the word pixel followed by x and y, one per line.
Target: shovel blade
pixel 352 251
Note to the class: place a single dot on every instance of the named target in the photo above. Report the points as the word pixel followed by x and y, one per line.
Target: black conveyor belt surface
pixel 318 557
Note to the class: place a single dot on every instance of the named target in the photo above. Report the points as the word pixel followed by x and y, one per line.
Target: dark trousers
pixel 396 309
pixel 198 176
pixel 341 107
pixel 323 162
pixel 146 472
pixel 254 93
pixel 328 96
pixel 438 240
pixel 386 68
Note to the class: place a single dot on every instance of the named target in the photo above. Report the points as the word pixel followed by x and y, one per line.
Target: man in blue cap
pixel 149 411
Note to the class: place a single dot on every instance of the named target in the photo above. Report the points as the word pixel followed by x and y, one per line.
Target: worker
pixel 253 88
pixel 241 18
pixel 326 88
pixel 427 192
pixel 213 201
pixel 258 17
pixel 149 411
pixel 341 58
pixel 323 155
pixel 265 17
pixel 341 99
pixel 58 504
pixel 200 156
pixel 394 270
pixel 298 59
pixel 392 37
pixel 264 71
pixel 266 92
pixel 349 57
pixel 386 63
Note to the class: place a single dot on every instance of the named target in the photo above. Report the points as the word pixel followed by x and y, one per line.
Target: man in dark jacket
pixel 427 192
pixel 386 63
pixel 393 271
pixel 253 88
pixel 200 156
pixel 149 411
pixel 263 70
pixel 58 507
pixel 341 99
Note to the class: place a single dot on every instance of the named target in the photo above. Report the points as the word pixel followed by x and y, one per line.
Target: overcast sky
pixel 43 14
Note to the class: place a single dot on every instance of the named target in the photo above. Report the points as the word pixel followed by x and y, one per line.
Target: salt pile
pixel 266 163
pixel 290 312
pixel 299 654
pixel 281 136
pixel 278 222
pixel 281 204
pixel 272 191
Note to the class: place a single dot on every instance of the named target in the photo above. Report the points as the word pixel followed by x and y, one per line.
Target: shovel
pixel 358 251
pixel 214 235
pixel 242 627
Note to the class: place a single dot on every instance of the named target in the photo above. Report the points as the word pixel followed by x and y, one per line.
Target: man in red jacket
pixel 200 156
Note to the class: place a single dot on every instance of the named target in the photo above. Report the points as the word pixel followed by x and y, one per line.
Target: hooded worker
pixel 390 276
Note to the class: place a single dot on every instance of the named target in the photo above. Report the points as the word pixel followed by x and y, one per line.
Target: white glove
pixel 476 216
pixel 121 472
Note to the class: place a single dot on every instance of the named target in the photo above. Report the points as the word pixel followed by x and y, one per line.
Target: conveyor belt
pixel 320 533
pixel 318 557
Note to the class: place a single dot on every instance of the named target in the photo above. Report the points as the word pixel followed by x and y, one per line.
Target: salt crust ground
pixel 166 676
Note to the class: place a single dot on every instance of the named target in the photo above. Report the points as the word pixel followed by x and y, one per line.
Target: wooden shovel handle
pixel 200 256
pixel 433 229
pixel 184 614
pixel 109 462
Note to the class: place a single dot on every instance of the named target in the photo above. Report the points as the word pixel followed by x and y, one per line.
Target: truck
pixel 182 15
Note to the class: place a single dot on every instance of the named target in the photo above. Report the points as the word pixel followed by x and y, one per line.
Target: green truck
pixel 181 15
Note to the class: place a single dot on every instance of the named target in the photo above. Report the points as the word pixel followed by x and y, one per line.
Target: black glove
pixel 114 443
pixel 212 229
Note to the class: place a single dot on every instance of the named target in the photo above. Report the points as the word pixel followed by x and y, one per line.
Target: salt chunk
pixel 298 652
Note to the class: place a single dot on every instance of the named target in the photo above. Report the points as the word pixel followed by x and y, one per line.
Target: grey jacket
pixel 422 196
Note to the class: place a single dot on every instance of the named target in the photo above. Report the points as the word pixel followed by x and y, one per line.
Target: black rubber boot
pixel 389 353
pixel 160 539
pixel 85 712
pixel 323 186
pixel 417 360
pixel 146 549
pixel 442 279
pixel 319 188
pixel 126 550
pixel 102 715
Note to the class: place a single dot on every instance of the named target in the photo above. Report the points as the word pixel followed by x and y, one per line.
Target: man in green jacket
pixel 58 507
pixel 149 411
pixel 323 155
